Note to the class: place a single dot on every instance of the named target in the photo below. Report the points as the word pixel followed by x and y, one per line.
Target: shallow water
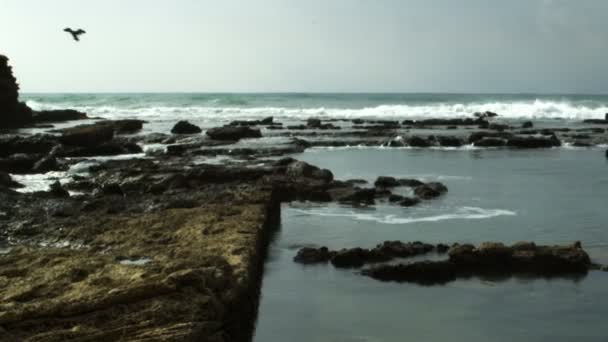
pixel 547 196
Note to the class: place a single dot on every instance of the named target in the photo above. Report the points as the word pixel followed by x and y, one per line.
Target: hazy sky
pixel 308 45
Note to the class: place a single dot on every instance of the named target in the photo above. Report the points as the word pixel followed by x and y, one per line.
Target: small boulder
pixel 267 121
pixel 395 198
pixel 313 123
pixel 57 190
pixel 527 124
pixel 386 182
pixel 308 255
pixel 409 201
pixel 430 190
pixel 185 127
pixel 448 141
pixel 490 142
pixel 46 164
pixel 6 181
pixel 350 258
pixel 417 141
pixel 410 182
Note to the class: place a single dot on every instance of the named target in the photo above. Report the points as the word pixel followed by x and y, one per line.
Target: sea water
pixel 552 196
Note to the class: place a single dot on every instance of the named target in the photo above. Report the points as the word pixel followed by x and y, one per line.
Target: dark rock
pixel 46 164
pixel 126 126
pixel 87 135
pixel 395 198
pixel 416 141
pixel 184 127
pixel 267 121
pixel 310 255
pixel 12 112
pixel 534 141
pixel 596 121
pixel 58 115
pixel 353 195
pixel 110 148
pixel 300 169
pixel 386 182
pixel 409 202
pixel 490 142
pixel 355 181
pixel 486 114
pixel 490 259
pixel 33 144
pixel 498 127
pixel 442 248
pixel 112 189
pixel 18 163
pixel 527 124
pixel 313 123
pixel 430 190
pixel 233 133
pixel 410 182
pixel 57 190
pixel 350 258
pixel 6 181
pixel 449 141
pixel 443 122
pixel 476 136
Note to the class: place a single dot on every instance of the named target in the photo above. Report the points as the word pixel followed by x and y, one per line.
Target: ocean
pixel 549 196
pixel 205 108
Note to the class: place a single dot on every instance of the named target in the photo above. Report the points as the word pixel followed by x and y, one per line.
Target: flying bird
pixel 75 34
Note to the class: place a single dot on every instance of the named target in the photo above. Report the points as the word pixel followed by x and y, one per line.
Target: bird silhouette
pixel 75 34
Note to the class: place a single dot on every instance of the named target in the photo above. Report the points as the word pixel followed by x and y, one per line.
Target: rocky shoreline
pixel 170 246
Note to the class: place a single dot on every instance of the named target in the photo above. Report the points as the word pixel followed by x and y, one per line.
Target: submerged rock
pixel 185 127
pixel 489 259
pixel 357 257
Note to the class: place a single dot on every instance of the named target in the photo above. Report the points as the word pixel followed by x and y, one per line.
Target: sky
pixel 466 46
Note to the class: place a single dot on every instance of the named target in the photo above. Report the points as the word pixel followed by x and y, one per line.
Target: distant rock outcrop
pixel 12 112
pixel 15 114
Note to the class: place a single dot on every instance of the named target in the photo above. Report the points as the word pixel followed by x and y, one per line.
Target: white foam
pixel 463 213
pixel 537 109
pixel 38 182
